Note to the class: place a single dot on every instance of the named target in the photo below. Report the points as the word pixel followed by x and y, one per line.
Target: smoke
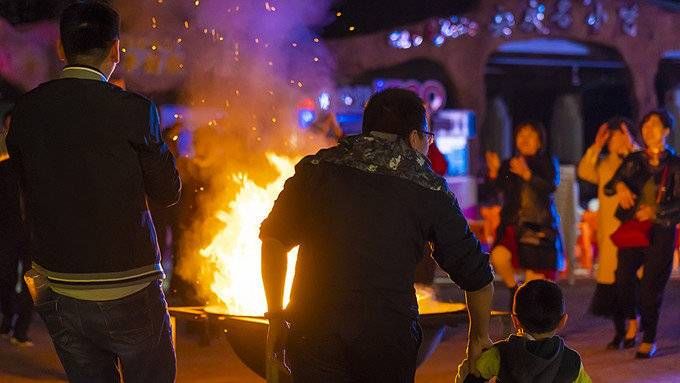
pixel 246 65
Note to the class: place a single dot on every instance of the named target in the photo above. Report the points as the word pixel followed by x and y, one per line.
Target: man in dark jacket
pixel 88 155
pixel 362 213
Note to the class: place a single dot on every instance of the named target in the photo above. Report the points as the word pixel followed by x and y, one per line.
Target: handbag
pixel 535 235
pixel 635 233
pixel 632 233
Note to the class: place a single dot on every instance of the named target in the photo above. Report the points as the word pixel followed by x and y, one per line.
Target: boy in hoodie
pixel 536 354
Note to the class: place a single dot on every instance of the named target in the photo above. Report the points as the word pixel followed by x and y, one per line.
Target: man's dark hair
pixel 663 115
pixel 539 306
pixel 395 111
pixel 88 29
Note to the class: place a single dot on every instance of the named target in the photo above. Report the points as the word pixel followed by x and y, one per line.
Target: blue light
pixel 305 118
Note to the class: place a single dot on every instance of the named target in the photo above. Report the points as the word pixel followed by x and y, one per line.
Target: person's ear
pixel 563 322
pixel 413 139
pixel 114 54
pixel 60 51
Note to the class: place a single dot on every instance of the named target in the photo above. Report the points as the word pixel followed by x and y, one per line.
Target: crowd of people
pixel 75 196
pixel 637 219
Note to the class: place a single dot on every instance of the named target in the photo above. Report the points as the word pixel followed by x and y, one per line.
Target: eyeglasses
pixel 429 136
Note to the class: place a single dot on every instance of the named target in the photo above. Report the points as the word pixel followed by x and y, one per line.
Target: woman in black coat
pixel 528 236
pixel 647 186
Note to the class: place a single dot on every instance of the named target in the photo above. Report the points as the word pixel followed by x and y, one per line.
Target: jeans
pixel 94 339
pixel 657 260
pixel 384 352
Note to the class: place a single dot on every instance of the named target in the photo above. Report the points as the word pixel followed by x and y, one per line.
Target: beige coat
pixel 599 171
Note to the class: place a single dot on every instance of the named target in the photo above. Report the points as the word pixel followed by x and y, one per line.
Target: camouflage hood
pixel 385 154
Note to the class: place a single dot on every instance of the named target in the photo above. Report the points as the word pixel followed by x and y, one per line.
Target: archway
pixel 668 89
pixel 571 87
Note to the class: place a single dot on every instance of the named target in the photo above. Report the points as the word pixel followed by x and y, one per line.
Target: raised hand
pixel 493 163
pixel 603 134
pixel 632 145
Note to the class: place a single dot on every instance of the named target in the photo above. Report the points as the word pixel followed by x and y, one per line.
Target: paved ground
pixel 217 362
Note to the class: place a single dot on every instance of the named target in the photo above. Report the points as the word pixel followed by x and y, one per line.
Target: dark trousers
pixel 17 307
pixel 384 352
pixel 657 260
pixel 93 337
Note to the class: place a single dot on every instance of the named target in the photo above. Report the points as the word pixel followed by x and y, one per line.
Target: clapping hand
pixel 518 165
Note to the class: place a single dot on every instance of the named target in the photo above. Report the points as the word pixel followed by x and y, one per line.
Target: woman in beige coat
pixel 598 168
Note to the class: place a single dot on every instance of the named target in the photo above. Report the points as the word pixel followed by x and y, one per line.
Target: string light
pixel 316 59
pixel 197 2
pixel 316 39
pixel 123 50
pixel 338 14
pixel 351 29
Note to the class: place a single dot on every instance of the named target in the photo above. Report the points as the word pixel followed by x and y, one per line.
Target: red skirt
pixel 509 241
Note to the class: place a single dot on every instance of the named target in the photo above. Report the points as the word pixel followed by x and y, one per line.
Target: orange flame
pixel 235 250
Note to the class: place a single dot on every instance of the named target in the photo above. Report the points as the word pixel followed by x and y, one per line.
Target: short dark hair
pixel 395 111
pixel 88 29
pixel 663 115
pixel 539 306
pixel 537 127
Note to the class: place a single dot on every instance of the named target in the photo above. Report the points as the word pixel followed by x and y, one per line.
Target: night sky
pixel 365 15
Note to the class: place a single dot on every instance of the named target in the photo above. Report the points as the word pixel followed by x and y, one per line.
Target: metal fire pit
pixel 248 335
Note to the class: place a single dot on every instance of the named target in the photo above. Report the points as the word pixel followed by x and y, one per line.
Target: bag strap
pixel 662 185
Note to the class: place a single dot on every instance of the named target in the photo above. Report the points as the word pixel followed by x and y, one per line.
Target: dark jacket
pixel 528 201
pixel 544 361
pixel 362 213
pixel 88 155
pixel 635 171
pixel 530 206
pixel 533 361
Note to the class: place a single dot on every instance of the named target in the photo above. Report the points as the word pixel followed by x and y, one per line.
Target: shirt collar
pixel 83 72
